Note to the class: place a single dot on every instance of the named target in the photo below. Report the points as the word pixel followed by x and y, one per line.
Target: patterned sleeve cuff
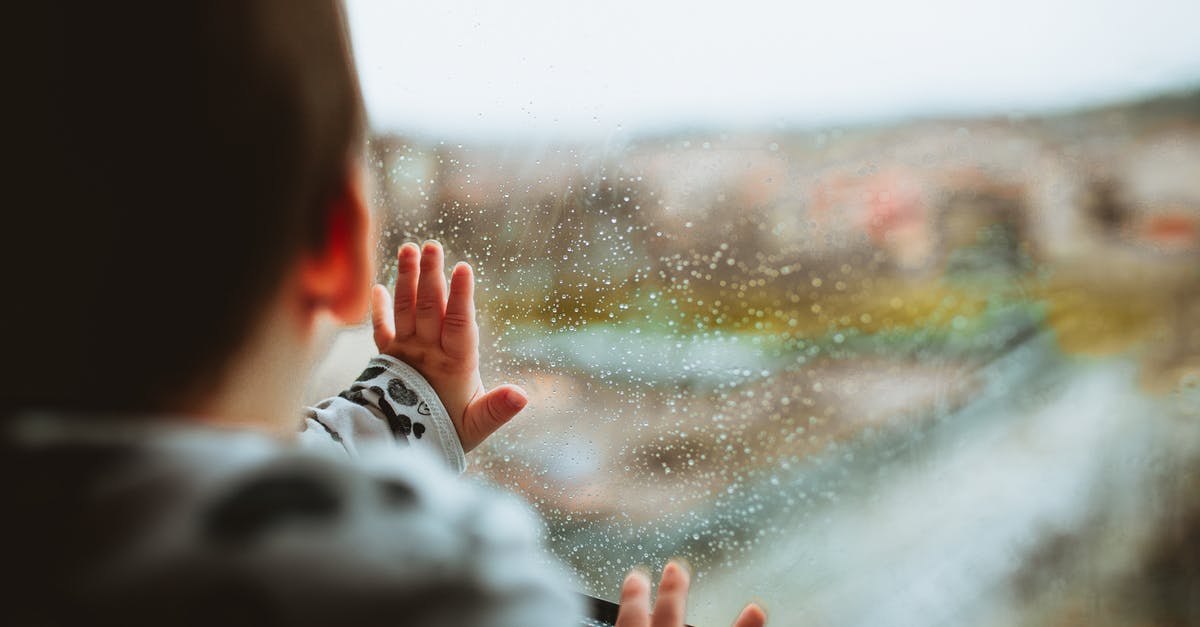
pixel 406 392
pixel 389 402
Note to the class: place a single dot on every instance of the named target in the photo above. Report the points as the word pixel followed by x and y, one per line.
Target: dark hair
pixel 190 153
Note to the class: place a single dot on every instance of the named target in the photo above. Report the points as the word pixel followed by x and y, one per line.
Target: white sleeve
pixel 389 404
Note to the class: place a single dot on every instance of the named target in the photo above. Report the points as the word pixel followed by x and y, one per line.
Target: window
pixel 885 315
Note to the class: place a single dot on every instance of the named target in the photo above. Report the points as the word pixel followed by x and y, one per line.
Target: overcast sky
pixel 574 68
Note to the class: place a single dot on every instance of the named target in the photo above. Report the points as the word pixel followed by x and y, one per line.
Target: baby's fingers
pixel 635 601
pixel 752 616
pixel 407 272
pixel 381 318
pixel 460 336
pixel 431 294
pixel 672 596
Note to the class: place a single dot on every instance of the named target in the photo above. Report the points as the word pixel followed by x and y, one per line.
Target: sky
pixel 581 69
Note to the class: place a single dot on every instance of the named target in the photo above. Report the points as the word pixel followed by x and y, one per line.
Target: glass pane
pixel 921 352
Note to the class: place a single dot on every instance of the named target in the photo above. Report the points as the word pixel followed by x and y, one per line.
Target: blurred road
pixel 944 526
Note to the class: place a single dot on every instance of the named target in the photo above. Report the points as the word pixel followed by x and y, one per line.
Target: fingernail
pixel 516 399
pixel 757 602
pixel 430 245
pixel 683 565
pixel 639 571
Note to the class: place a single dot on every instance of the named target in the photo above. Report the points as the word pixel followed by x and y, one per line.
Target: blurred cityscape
pixel 932 372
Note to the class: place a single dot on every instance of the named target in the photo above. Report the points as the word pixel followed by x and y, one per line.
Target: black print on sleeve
pixel 400 393
pixel 312 415
pixel 354 396
pixel 337 437
pixel 370 373
pixel 423 408
pixel 400 425
pixel 418 429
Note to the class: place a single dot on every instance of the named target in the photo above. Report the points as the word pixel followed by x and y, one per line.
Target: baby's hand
pixel 671 602
pixel 438 336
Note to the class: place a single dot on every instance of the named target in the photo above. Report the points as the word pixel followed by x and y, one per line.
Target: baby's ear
pixel 337 276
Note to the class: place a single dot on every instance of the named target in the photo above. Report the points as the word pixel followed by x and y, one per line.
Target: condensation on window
pixel 922 373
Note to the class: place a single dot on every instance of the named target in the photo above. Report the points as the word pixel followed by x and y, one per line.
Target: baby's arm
pixel 389 404
pixel 424 388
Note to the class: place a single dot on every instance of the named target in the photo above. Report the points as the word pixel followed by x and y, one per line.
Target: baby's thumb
pixel 490 411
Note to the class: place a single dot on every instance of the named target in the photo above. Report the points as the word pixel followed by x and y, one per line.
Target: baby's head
pixel 203 155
